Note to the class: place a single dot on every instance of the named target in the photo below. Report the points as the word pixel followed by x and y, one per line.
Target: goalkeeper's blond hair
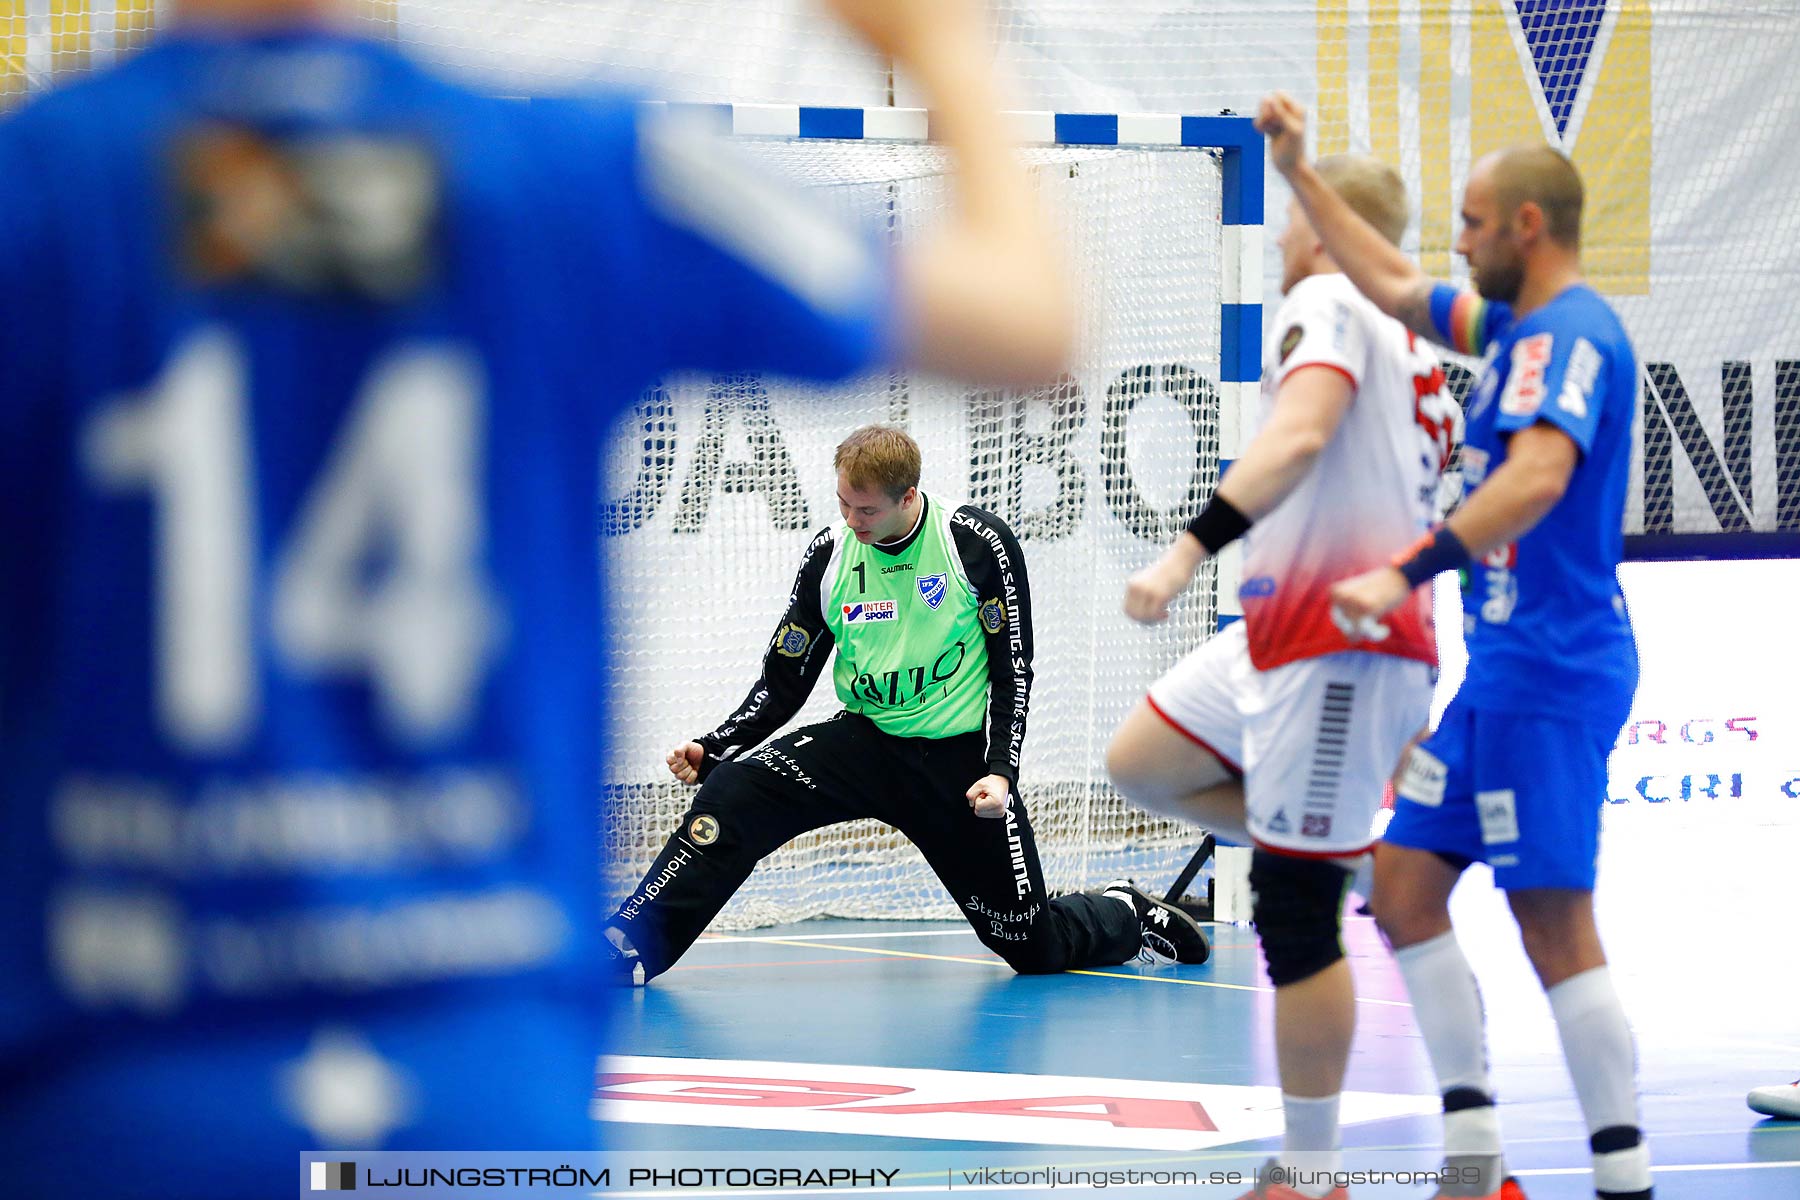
pixel 879 456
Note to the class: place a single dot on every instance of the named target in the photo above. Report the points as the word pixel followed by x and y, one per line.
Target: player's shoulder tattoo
pixel 1414 311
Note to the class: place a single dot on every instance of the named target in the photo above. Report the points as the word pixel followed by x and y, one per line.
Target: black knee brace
pixel 1297 906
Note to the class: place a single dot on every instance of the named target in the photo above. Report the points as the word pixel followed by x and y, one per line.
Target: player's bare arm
pixel 1149 592
pixel 1311 404
pixel 1539 462
pixel 988 299
pixel 1378 268
pixel 1307 412
pixel 1540 459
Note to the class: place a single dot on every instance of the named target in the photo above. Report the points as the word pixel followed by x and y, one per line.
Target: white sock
pixel 1310 1143
pixel 1597 1046
pixel 1447 1006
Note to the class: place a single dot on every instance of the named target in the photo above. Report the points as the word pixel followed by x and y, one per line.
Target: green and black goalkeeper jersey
pixel 933 637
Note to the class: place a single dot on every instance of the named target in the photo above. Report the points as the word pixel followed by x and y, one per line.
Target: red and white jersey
pixel 1371 493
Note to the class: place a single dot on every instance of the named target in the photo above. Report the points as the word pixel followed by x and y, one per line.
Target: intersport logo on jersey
pixel 869 611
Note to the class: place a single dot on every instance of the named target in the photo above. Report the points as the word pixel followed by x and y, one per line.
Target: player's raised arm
pixel 1378 268
pixel 987 298
pixel 1320 351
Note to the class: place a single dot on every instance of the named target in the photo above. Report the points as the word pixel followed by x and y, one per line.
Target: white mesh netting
pixel 43 40
pixel 717 485
pixel 1679 113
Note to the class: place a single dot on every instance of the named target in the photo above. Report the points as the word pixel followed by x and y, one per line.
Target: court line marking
pixel 789 962
pixel 961 931
pixel 1217 1157
pixel 997 962
pixel 982 962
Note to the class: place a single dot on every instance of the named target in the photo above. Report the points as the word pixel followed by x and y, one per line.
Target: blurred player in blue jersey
pixel 1515 774
pixel 307 358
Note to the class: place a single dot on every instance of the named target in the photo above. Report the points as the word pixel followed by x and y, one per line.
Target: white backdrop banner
pixel 1679 112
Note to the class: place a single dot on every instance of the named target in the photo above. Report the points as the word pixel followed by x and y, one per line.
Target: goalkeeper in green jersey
pixel 928 608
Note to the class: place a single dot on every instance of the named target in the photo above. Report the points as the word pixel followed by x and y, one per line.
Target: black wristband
pixel 1219 524
pixel 1432 555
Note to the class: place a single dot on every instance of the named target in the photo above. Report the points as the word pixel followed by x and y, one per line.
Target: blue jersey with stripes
pixel 1545 620
pixel 308 356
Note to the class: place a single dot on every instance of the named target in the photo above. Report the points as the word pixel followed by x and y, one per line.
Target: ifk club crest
pixel 932 589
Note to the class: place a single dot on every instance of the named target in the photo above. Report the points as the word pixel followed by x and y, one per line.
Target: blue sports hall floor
pixel 906 1045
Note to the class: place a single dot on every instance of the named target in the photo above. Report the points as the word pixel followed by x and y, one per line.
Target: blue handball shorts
pixel 1520 793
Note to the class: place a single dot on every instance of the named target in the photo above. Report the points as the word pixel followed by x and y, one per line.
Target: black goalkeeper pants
pixel 844 769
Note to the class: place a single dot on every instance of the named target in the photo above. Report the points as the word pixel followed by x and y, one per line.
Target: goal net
pixel 718 484
pixel 1679 114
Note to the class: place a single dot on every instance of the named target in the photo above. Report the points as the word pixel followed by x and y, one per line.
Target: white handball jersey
pixel 1373 489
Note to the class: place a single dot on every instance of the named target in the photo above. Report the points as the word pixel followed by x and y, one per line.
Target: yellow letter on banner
pixel 1333 56
pixel 1606 130
pixel 12 52
pixel 71 35
pixel 1611 142
pixel 1438 205
pixel 1615 162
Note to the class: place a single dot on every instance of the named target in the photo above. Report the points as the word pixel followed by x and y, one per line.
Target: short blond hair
pixel 1372 189
pixel 879 456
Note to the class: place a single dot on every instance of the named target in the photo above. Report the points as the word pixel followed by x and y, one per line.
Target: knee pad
pixel 1297 909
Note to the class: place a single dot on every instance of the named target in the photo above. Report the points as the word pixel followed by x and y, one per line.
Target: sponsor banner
pixel 1702 805
pixel 1688 224
pixel 960 1106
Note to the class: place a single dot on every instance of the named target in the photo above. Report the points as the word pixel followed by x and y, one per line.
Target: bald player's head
pixel 1519 204
pixel 1545 177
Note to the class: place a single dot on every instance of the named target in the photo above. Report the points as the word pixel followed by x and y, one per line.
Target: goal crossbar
pixel 1233 138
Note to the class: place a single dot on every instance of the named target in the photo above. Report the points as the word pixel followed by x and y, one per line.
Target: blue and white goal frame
pixel 1233 138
